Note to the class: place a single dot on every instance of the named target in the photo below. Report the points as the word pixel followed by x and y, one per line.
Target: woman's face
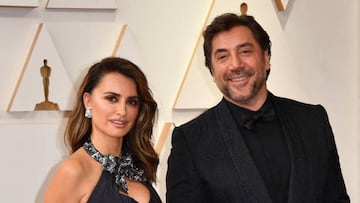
pixel 114 103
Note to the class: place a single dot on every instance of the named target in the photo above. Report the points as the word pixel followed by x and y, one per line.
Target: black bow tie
pixel 264 114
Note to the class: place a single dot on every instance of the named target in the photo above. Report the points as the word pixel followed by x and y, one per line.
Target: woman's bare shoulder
pixel 70 178
pixel 72 167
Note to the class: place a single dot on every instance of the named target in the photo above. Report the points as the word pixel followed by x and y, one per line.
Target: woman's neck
pixel 107 145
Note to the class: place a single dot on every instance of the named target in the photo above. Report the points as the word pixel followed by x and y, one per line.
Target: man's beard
pixel 255 86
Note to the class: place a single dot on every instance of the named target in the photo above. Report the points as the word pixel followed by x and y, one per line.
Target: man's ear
pixel 267 60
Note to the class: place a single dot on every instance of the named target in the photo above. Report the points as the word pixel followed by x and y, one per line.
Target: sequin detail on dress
pixel 122 167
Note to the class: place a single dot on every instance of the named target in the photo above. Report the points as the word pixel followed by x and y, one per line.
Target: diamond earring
pixel 88 113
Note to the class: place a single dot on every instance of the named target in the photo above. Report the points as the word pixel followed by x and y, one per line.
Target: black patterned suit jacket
pixel 206 165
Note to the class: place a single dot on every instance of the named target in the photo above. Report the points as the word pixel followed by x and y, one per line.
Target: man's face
pixel 239 67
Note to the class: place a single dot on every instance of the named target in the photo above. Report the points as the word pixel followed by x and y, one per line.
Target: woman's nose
pixel 121 109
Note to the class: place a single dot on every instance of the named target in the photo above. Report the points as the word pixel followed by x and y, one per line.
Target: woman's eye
pixel 112 99
pixel 134 102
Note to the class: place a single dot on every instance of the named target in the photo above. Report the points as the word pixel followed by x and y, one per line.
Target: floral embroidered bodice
pixel 121 167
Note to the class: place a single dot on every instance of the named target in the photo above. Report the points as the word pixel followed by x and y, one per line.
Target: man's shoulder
pixel 288 102
pixel 202 118
pixel 297 107
pixel 200 128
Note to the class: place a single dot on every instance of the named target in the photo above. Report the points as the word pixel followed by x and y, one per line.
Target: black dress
pixel 113 177
pixel 106 191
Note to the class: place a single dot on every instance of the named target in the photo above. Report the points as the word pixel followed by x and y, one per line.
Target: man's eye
pixel 221 57
pixel 246 51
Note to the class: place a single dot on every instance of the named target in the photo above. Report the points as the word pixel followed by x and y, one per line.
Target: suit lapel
pixel 298 171
pixel 250 181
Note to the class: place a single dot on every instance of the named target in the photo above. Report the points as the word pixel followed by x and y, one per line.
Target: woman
pixel 110 134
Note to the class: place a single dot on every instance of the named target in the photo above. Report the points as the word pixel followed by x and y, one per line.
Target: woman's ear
pixel 86 99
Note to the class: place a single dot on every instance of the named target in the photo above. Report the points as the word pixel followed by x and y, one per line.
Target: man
pixel 253 146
